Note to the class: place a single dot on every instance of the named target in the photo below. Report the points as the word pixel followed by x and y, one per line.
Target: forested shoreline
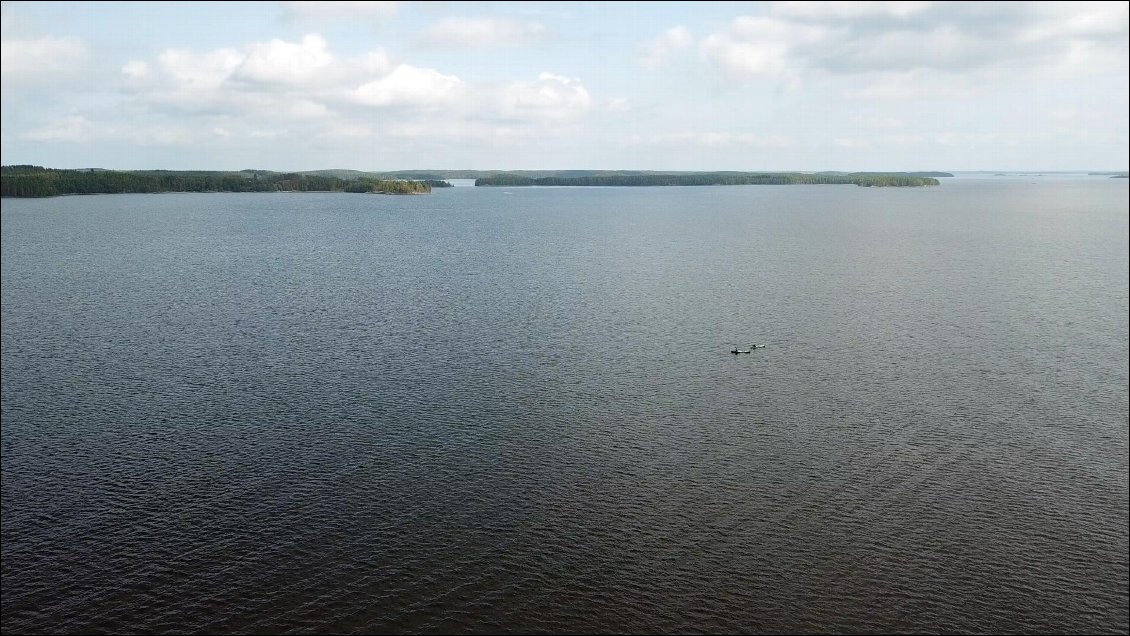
pixel 866 179
pixel 36 181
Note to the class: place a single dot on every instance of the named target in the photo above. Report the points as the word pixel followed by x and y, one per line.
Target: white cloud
pixel 196 73
pixel 551 97
pixel 943 138
pixel 374 63
pixel 854 38
pixel 1080 37
pixel 618 105
pixel 306 109
pixel 411 86
pixel 184 80
pixel 913 85
pixel 156 135
pixel 275 79
pixel 483 32
pixel 711 139
pixel 136 69
pixel 1078 19
pixel 944 47
pixel 331 10
pixel 259 133
pixel 661 48
pixel 34 58
pixel 344 130
pixel 825 10
pixel 271 93
pixel 285 62
pixel 1051 77
pixel 970 139
pixel 878 122
pixel 73 128
pixel 903 139
pixel 758 45
pixel 462 131
pixel 282 86
pixel 78 129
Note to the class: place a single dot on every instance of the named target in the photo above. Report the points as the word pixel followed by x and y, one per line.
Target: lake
pixel 516 410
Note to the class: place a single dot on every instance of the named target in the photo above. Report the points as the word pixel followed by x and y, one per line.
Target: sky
pixel 514 85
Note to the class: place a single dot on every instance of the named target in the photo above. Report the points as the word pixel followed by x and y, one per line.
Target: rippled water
pixel 516 410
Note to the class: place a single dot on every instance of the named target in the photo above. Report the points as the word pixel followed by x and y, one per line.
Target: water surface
pixel 514 410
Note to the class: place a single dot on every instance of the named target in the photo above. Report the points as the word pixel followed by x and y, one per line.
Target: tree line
pixel 714 178
pixel 37 181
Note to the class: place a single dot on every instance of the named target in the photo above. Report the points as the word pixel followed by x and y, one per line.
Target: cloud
pixel 345 130
pixel 1050 76
pixel 852 38
pixel 551 97
pixel 78 129
pixel 909 85
pixel 136 69
pixel 331 10
pixel 853 143
pixel 411 86
pixel 193 71
pixel 878 122
pixel 1078 20
pixel 41 58
pixel 478 132
pixel 71 128
pixel 618 105
pixel 278 79
pixel 661 48
pixel 185 79
pixel 282 62
pixel 945 47
pixel 483 33
pixel 303 109
pixel 826 10
pixel 759 45
pixel 942 138
pixel 374 62
pixel 279 89
pixel 711 139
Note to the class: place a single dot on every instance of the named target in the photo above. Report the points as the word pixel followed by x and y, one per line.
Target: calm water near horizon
pixel 515 410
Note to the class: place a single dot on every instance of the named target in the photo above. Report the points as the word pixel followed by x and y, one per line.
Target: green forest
pixel 36 181
pixel 866 179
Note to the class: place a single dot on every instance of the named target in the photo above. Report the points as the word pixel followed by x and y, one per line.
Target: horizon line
pixel 1004 170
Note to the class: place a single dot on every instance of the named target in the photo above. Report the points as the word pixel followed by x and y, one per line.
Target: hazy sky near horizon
pixel 483 85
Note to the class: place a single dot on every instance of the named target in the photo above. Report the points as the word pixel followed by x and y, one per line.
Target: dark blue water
pixel 515 410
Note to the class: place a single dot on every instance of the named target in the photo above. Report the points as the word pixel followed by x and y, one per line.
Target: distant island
pixel 37 181
pixel 865 179
pixel 573 174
